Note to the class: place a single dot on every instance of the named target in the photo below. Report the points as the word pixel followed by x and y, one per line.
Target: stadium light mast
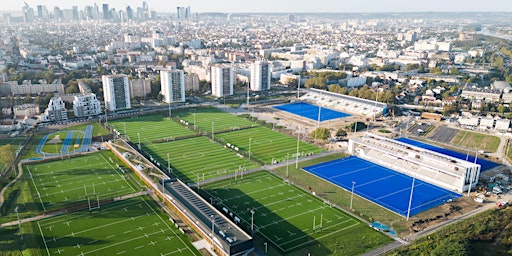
pixel 213 226
pixel 125 135
pixel 252 221
pixel 138 135
pixel 410 198
pixel 170 110
pixel 19 223
pixel 168 164
pixel 470 175
pixel 297 156
pixel 213 136
pixel 194 121
pixel 319 111
pixel 287 164
pixel 250 139
pixel 352 196
pixel 298 88
pixel 248 87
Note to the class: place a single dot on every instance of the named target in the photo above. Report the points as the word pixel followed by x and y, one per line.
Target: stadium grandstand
pixel 345 103
pixel 442 170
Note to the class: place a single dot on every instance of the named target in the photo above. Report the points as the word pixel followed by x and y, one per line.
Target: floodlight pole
pixel 19 223
pixel 287 165
pixel 194 114
pixel 248 87
pixel 319 111
pixel 168 164
pixel 138 134
pixel 298 88
pixel 470 175
pixel 250 139
pixel 213 136
pixel 265 243
pixel 125 135
pixel 410 198
pixel 352 196
pixel 252 221
pixel 213 227
pixel 170 109
pixel 297 156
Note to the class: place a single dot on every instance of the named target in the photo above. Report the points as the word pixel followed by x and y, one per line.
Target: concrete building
pixel 27 88
pixel 140 88
pixel 27 110
pixel 222 80
pixel 56 111
pixel 116 92
pixel 173 85
pixel 191 82
pixel 260 76
pixel 85 105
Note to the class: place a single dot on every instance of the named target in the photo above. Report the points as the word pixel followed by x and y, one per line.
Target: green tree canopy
pixel 321 133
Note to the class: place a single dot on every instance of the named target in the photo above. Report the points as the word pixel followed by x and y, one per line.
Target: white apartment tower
pixel 260 75
pixel 173 85
pixel 85 105
pixel 56 111
pixel 222 80
pixel 116 91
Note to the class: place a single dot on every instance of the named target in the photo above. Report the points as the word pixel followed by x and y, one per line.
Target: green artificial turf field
pixel 291 219
pixel 197 158
pixel 130 227
pixel 267 145
pixel 150 128
pixel 205 117
pixel 64 182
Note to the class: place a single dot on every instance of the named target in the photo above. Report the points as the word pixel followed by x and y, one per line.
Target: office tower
pixel 129 13
pixel 222 80
pixel 75 12
pixel 116 92
pixel 260 75
pixel 173 85
pixel 106 12
pixel 187 12
pixel 42 12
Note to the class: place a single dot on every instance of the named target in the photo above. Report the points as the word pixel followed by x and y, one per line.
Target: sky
pixel 282 6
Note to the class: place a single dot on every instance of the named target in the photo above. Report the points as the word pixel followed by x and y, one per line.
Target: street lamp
pixel 352 196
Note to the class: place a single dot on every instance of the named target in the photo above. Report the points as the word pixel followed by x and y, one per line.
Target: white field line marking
pixel 42 235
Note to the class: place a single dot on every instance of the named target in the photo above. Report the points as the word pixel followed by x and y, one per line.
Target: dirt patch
pixel 56 139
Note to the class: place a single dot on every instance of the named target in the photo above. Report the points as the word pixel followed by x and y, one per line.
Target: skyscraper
pixel 173 85
pixel 116 92
pixel 260 75
pixel 106 12
pixel 222 80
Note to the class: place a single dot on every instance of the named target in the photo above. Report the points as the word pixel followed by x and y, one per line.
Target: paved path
pixel 20 169
pixel 60 212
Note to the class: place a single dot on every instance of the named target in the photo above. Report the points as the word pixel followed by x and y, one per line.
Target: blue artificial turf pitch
pixel 485 165
pixel 311 111
pixel 381 185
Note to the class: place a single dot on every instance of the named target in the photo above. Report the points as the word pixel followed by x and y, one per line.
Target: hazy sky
pixel 283 6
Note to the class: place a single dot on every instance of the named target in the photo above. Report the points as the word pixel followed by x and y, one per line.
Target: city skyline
pixel 284 6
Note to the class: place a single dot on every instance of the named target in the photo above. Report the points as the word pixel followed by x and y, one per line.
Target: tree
pixel 501 109
pixel 340 133
pixel 72 88
pixel 357 125
pixel 321 133
pixel 7 153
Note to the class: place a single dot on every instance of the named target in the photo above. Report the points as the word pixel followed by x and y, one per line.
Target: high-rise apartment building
pixel 173 85
pixel 106 12
pixel 116 92
pixel 222 80
pixel 260 76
